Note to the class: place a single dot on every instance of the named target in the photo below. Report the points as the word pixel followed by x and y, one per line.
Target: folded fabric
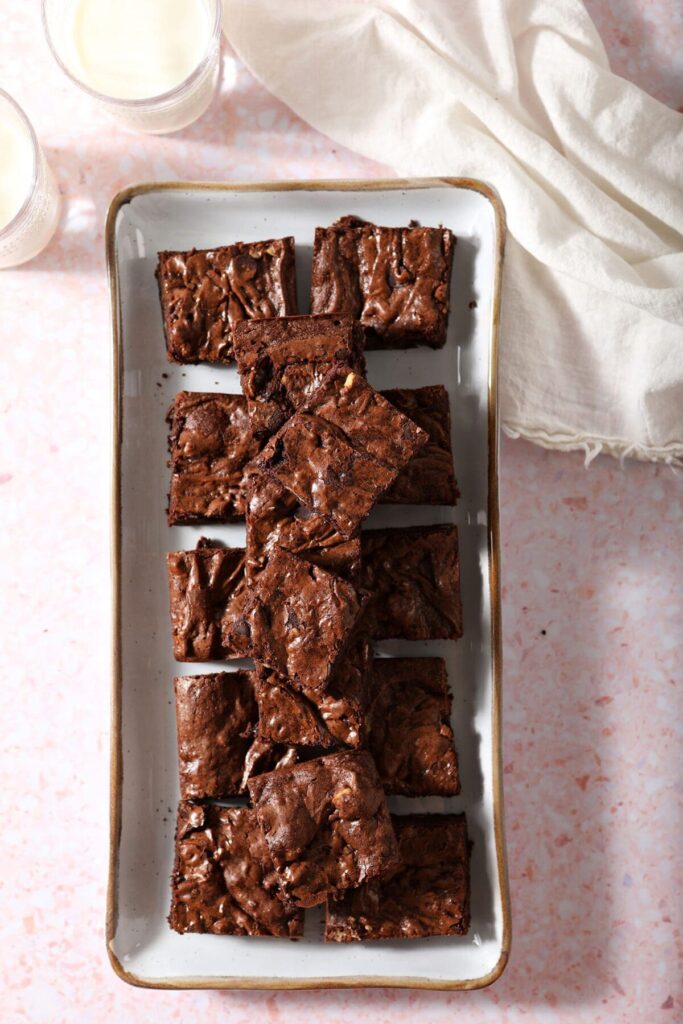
pixel 589 168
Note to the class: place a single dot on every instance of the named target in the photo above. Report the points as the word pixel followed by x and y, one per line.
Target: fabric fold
pixel 588 167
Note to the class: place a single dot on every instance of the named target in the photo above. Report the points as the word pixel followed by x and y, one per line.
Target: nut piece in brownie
pixel 206 585
pixel 276 518
pixel 428 479
pixel 428 895
pixel 217 719
pixel 342 449
pixel 396 281
pixel 204 293
pixel 282 361
pixel 411 738
pixel 326 825
pixel 210 442
pixel 299 619
pixel 223 881
pixel 299 717
pixel 413 576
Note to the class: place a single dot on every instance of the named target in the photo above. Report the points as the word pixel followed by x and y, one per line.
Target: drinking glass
pixel 168 111
pixel 31 227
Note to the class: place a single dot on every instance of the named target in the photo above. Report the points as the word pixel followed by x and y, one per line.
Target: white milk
pixel 16 163
pixel 138 49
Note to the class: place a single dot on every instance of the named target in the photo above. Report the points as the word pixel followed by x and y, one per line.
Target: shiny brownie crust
pixel 326 825
pixel 223 881
pixel 396 281
pixel 204 293
pixel 428 895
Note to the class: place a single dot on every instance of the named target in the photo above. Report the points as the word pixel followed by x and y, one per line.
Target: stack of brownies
pixel 319 732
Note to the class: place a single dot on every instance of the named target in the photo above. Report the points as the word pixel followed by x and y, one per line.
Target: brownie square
pixel 341 450
pixel 277 519
pixel 428 479
pixel 282 361
pixel 326 825
pixel 210 442
pixel 413 575
pixel 396 281
pixel 296 716
pixel 223 881
pixel 218 747
pixel 299 619
pixel 206 586
pixel 428 895
pixel 411 738
pixel 204 293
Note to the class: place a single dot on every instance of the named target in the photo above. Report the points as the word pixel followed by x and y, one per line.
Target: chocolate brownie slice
pixel 217 720
pixel 411 738
pixel 223 881
pixel 277 519
pixel 428 895
pixel 326 825
pixel 210 442
pixel 428 479
pixel 413 576
pixel 296 716
pixel 206 586
pixel 341 450
pixel 282 361
pixel 204 293
pixel 396 281
pixel 299 619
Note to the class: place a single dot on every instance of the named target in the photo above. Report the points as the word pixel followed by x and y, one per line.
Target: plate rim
pixel 121 199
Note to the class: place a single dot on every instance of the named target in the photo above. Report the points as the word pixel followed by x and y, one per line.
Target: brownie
pixel 276 518
pixel 206 586
pixel 428 895
pixel 204 293
pixel 411 738
pixel 413 575
pixel 326 825
pixel 295 716
pixel 299 619
pixel 342 449
pixel 282 361
pixel 210 442
pixel 223 881
pixel 428 479
pixel 396 281
pixel 217 719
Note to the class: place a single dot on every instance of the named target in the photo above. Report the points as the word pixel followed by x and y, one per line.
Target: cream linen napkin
pixel 589 167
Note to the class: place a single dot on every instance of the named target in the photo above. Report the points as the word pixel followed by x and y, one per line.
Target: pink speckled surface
pixel 592 621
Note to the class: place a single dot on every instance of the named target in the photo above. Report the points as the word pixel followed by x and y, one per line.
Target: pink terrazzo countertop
pixel 592 620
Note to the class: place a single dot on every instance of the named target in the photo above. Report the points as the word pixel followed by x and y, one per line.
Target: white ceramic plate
pixel 148 218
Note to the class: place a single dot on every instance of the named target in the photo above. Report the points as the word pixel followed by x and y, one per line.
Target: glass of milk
pixel 29 197
pixel 151 64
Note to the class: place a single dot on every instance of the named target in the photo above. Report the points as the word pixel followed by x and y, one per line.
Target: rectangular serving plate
pixel 147 218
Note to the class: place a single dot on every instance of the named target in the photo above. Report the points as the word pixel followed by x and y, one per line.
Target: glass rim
pixel 147 101
pixel 35 147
